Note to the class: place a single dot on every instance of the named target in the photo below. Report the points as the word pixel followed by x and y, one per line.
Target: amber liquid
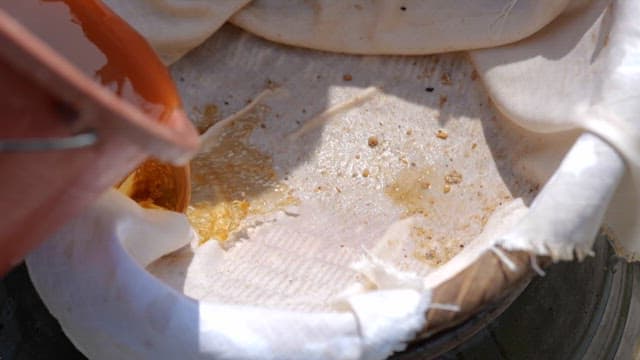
pixel 107 49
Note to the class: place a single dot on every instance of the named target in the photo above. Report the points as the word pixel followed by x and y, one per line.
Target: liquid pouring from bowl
pixel 75 67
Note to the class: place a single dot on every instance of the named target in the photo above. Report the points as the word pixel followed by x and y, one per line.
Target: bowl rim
pixel 176 141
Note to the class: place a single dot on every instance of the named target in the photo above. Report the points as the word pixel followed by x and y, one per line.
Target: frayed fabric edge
pixel 541 247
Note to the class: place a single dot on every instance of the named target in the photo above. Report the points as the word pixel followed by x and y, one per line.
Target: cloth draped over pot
pixel 549 66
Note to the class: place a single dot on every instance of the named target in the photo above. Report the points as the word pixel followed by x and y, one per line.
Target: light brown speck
pixel 445 79
pixel 442 134
pixel 442 101
pixel 453 178
pixel 208 116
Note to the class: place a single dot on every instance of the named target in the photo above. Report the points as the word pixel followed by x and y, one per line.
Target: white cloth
pixel 414 27
pixel 173 27
pixel 579 72
pixel 90 277
pixel 406 27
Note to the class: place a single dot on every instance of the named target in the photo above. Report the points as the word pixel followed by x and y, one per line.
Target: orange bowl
pixel 65 139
